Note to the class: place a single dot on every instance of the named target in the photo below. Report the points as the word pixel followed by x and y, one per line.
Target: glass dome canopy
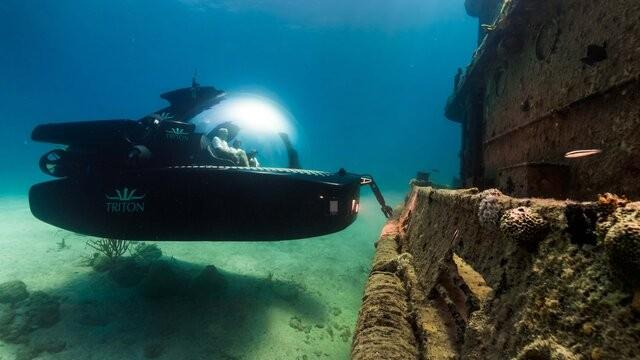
pixel 255 123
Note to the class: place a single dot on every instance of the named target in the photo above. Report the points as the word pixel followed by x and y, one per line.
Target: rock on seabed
pixel 13 291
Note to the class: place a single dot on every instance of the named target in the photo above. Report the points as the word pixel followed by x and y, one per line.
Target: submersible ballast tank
pixel 157 179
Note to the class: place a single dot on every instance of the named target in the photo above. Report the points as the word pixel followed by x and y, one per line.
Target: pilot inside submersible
pixel 223 150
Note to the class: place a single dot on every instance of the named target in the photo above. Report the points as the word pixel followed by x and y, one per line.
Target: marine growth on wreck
pixel 538 257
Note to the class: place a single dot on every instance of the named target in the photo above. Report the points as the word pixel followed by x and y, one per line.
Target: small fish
pixel 595 54
pixel 435 171
pixel 582 153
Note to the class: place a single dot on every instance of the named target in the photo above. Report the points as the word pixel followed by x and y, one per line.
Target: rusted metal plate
pixel 535 180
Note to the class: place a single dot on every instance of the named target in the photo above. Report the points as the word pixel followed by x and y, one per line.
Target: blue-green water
pixel 363 84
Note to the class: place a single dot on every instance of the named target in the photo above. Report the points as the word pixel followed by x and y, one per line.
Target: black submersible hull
pixel 201 203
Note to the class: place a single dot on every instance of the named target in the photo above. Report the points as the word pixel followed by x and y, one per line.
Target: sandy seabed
pixel 283 300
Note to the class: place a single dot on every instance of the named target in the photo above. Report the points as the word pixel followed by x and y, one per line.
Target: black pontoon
pixel 158 179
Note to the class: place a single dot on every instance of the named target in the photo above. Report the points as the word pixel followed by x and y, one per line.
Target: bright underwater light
pixel 259 120
pixel 253 113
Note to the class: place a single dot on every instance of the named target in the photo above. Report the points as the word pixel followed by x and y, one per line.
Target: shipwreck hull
pixel 536 89
pixel 479 275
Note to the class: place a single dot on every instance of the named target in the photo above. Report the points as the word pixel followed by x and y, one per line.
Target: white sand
pixel 314 283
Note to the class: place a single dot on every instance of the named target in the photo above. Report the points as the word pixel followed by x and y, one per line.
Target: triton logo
pixel 176 134
pixel 125 201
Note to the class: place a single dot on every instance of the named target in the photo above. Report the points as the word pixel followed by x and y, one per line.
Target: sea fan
pixel 111 248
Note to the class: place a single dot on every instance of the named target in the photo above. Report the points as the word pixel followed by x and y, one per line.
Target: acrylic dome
pixel 254 123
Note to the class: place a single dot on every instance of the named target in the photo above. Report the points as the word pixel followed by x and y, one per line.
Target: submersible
pixel 158 179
